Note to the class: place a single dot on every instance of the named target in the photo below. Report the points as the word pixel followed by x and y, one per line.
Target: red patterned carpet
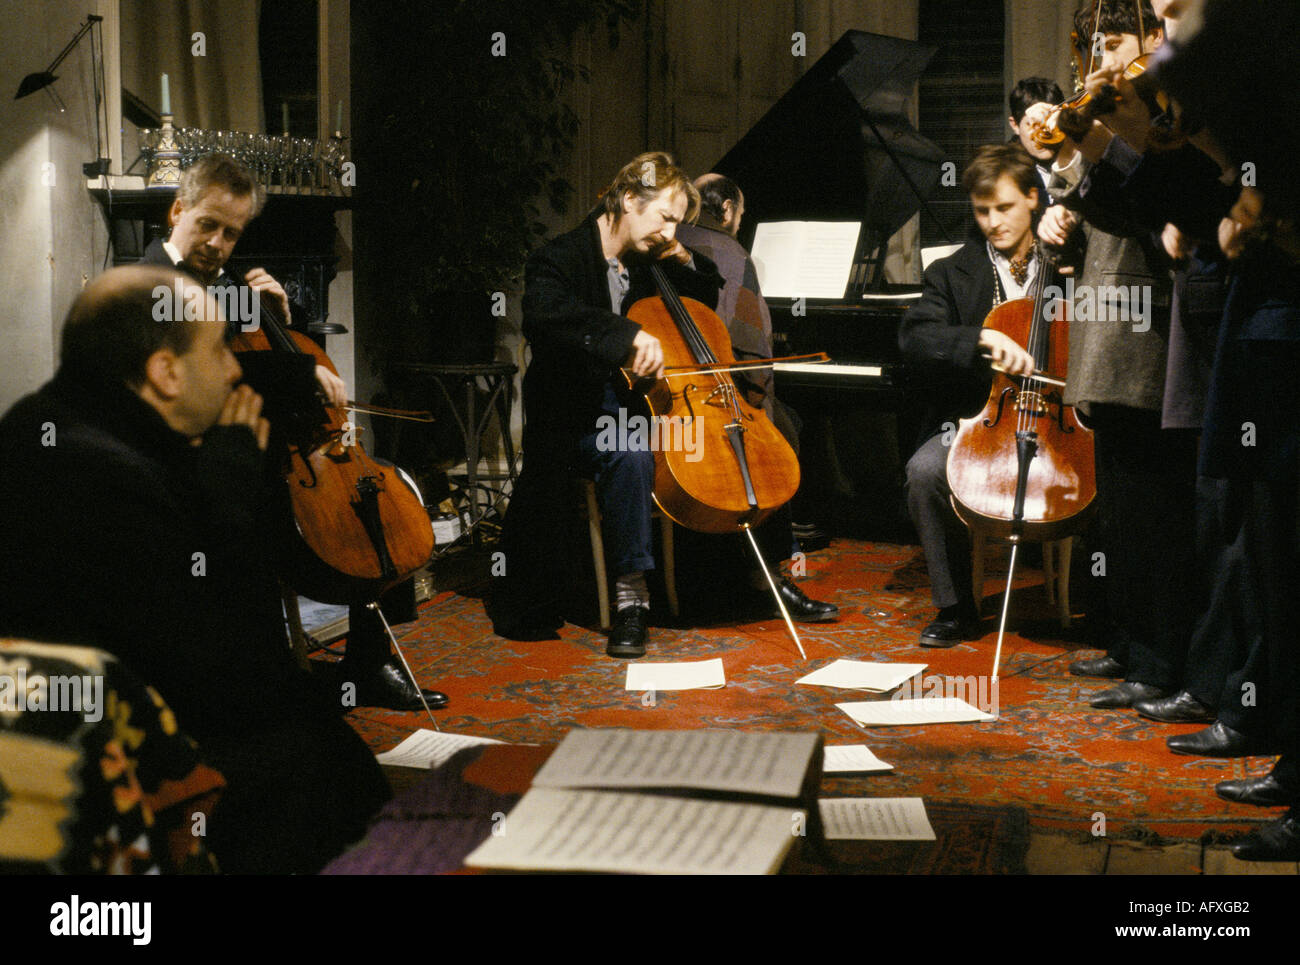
pixel 1048 752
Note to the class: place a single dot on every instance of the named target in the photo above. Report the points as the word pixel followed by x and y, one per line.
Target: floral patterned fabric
pixel 95 775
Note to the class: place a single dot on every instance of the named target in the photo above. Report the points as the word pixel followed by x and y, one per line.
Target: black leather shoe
pixel 802 608
pixel 953 625
pixel 1103 666
pixel 1124 694
pixel 1217 740
pixel 1276 841
pixel 1263 792
pixel 945 633
pixel 628 635
pixel 1181 708
pixel 389 687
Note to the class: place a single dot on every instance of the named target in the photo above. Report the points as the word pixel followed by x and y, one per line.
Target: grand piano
pixel 838 146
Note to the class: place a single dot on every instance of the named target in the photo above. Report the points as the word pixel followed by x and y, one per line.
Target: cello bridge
pixel 726 391
pixel 1031 402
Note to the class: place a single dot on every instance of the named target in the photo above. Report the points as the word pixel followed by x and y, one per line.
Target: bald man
pixel 131 504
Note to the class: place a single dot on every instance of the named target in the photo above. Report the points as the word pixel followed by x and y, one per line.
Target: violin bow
pixel 410 415
pixel 715 368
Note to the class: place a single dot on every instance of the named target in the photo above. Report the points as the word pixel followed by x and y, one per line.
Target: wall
pixel 51 232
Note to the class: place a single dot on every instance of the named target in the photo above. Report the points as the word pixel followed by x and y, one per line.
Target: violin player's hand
pixel 244 408
pixel 647 356
pixel 260 280
pixel 1243 216
pixel 1131 118
pixel 336 394
pixel 1057 224
pixel 1176 244
pixel 1005 354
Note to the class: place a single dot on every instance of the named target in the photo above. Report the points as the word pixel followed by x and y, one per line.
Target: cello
pixel 747 469
pixel 356 524
pixel 1023 467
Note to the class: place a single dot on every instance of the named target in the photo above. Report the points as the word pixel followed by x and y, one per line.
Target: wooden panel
pixel 767 66
pixel 700 48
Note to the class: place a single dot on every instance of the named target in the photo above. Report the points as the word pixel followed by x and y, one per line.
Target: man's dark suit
pixel 121 535
pixel 287 383
pixel 940 337
pixel 577 344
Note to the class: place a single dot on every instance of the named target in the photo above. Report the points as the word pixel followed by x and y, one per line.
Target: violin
pixel 1087 106
pixel 356 524
pixel 1079 111
pixel 1023 467
pixel 742 469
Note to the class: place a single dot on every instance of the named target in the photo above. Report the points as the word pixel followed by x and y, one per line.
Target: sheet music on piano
pixel 805 259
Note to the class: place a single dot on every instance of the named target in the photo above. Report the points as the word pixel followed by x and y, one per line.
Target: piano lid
pixel 815 156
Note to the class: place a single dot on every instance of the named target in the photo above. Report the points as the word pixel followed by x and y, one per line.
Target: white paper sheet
pixel 563 830
pixel 899 713
pixel 429 749
pixel 875 819
pixel 693 675
pixel 804 259
pixel 723 760
pixel 862 675
pixel 852 757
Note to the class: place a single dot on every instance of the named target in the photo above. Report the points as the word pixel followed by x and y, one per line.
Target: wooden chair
pixel 1056 571
pixel 591 508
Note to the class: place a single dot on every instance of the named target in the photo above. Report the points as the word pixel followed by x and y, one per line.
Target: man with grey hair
pixel 215 201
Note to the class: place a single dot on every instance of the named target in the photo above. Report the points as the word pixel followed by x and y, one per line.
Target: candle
pixel 284 115
pixel 338 122
pixel 166 97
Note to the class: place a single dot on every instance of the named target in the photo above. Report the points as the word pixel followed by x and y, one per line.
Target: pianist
pixel 942 336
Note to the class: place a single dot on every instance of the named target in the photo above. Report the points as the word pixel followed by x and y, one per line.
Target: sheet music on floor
pixel 923 710
pixel 569 830
pixel 676 675
pixel 430 749
pixel 874 676
pixel 875 819
pixel 852 757
pixel 715 760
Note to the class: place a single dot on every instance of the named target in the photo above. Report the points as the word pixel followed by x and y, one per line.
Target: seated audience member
pixel 131 504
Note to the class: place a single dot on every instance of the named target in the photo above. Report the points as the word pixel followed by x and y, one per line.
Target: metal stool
pixel 496 381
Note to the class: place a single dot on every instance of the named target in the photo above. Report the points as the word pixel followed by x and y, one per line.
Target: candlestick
pixel 166 97
pixel 284 115
pixel 165 163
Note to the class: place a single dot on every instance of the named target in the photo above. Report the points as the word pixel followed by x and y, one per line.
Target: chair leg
pixel 297 639
pixel 1050 548
pixel 597 551
pixel 1065 547
pixel 670 564
pixel 979 546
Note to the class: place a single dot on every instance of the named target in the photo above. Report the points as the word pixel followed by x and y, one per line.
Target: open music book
pixel 663 802
pixel 805 259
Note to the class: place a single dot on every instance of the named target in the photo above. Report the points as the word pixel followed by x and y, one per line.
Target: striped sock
pixel 631 590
